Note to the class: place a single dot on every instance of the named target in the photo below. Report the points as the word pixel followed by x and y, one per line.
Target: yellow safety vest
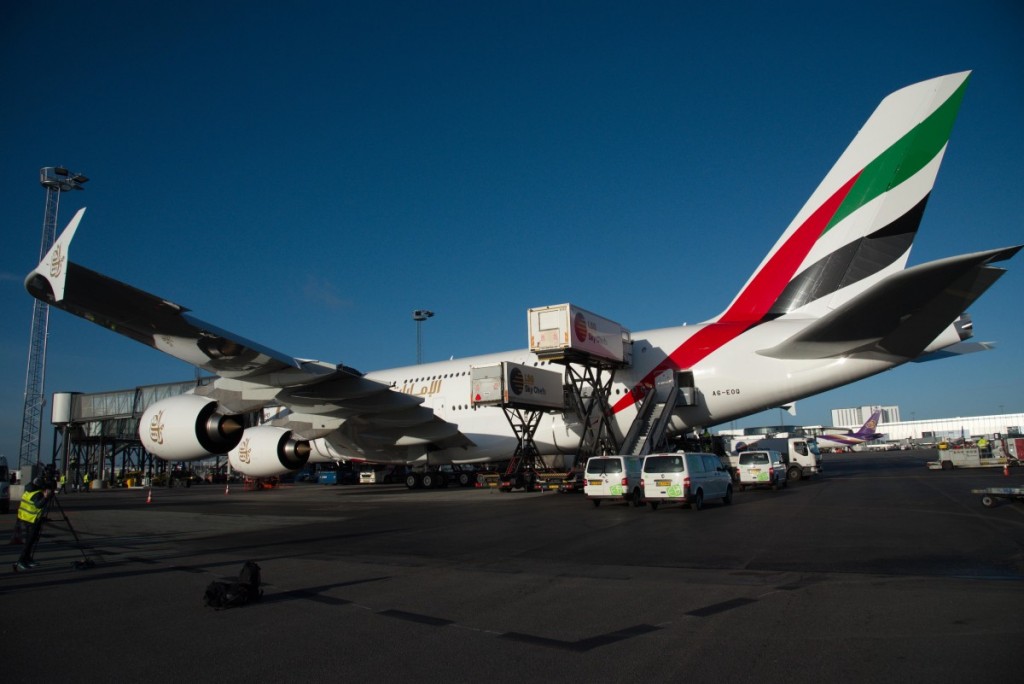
pixel 31 506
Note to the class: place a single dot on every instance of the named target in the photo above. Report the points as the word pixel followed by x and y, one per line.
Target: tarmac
pixel 879 570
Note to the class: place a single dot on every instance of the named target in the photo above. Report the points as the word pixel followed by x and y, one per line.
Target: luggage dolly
pixel 991 495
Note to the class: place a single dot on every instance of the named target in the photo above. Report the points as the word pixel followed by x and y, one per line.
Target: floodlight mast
pixel 420 315
pixel 55 179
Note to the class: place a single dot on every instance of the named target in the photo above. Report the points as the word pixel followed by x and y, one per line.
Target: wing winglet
pixel 53 267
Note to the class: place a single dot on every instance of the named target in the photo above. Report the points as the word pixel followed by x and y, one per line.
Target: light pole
pixel 56 179
pixel 420 315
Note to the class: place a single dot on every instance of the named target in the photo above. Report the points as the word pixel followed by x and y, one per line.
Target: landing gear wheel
pixel 429 480
pixel 412 481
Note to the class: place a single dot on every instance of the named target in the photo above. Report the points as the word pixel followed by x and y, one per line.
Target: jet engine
pixel 188 427
pixel 266 451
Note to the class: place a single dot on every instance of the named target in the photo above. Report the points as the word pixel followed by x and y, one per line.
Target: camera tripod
pixel 86 562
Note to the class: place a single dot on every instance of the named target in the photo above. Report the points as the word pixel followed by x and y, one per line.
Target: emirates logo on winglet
pixel 57 262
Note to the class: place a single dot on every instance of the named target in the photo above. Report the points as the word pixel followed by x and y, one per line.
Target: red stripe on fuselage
pixel 753 303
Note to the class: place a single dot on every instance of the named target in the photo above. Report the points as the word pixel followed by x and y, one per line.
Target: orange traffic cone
pixel 1006 470
pixel 149 496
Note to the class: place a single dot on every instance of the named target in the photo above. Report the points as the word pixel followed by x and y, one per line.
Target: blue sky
pixel 307 176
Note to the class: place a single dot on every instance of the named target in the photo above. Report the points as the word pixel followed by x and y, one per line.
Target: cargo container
pixel 564 330
pixel 518 386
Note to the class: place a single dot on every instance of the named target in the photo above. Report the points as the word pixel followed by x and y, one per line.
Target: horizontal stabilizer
pixel 903 314
pixel 958 349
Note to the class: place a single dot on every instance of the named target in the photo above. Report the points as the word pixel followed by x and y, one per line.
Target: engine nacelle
pixel 266 451
pixel 188 427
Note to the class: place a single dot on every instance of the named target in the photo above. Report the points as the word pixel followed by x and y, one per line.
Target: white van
pixel 613 477
pixel 761 469
pixel 690 479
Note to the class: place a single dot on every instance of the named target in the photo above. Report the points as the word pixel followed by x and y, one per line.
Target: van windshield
pixel 603 466
pixel 663 464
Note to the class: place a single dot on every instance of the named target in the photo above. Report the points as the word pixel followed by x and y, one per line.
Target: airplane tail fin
pixel 858 226
pixel 867 430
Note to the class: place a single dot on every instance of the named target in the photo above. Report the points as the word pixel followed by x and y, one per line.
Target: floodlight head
pixel 421 314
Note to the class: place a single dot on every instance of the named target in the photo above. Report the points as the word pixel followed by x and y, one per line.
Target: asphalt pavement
pixel 879 570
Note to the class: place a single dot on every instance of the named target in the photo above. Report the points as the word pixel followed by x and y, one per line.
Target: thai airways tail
pixel 867 430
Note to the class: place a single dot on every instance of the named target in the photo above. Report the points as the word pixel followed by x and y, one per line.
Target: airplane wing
pixel 901 315
pixel 322 398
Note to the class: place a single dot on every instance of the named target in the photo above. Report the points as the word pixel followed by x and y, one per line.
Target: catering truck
pixel 567 331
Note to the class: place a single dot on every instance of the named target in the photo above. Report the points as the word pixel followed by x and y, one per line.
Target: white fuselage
pixel 731 381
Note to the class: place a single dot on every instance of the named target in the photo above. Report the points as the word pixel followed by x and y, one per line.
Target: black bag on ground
pixel 228 594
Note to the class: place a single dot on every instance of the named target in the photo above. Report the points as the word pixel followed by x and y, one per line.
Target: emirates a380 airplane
pixel 831 303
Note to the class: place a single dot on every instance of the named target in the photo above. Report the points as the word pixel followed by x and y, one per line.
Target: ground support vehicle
pixel 990 496
pixel 970 457
pixel 761 469
pixel 614 478
pixel 686 478
pixel 801 454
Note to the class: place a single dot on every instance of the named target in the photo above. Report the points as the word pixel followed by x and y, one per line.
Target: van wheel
pixel 638 500
pixel 596 502
pixel 654 505
pixel 727 499
pixel 698 501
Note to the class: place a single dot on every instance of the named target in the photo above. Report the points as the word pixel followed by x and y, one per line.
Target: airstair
pixel 647 433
